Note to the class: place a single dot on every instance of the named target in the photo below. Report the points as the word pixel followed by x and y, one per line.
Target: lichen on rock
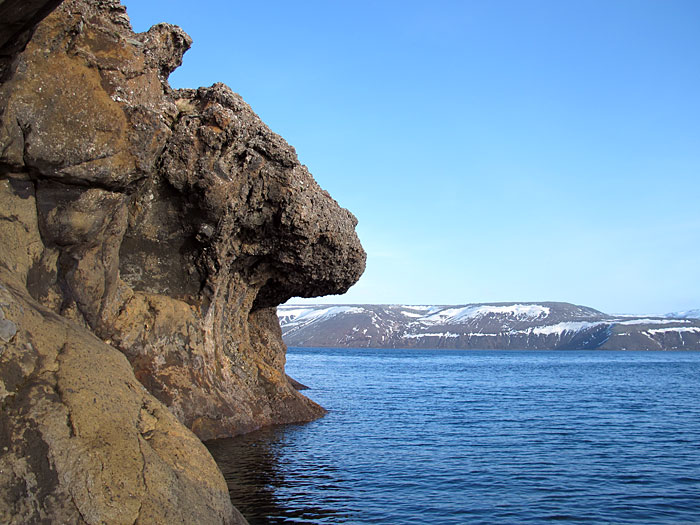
pixel 155 224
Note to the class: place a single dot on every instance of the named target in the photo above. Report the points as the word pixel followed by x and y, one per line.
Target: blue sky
pixel 492 150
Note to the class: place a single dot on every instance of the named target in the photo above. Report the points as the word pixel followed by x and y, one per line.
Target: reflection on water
pixel 264 488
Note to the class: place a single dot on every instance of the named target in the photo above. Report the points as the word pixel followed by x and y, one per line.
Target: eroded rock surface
pixel 18 18
pixel 158 225
pixel 81 441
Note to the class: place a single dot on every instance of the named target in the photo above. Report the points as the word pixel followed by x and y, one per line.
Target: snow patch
pixel 515 310
pixel 687 314
pixel 653 321
pixel 678 329
pixel 560 328
pixel 519 311
pixel 421 308
pixel 295 316
pixel 418 336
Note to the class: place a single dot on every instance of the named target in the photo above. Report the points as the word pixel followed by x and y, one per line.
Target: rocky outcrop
pixel 81 441
pixel 151 225
pixel 18 18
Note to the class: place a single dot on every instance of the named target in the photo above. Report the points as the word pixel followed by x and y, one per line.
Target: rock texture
pixel 81 441
pixel 151 225
pixel 18 18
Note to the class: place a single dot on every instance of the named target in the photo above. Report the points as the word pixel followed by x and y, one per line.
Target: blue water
pixel 453 437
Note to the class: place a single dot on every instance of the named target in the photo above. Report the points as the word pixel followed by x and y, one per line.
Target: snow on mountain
pixel 677 329
pixel 545 325
pixel 687 314
pixel 560 328
pixel 435 334
pixel 519 311
pixel 646 320
pixel 295 316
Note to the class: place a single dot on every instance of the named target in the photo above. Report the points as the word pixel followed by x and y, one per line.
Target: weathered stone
pixel 233 226
pixel 169 224
pixel 18 18
pixel 85 105
pixel 81 441
pixel 8 329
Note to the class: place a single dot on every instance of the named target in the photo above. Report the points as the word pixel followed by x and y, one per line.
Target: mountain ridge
pixel 685 314
pixel 544 325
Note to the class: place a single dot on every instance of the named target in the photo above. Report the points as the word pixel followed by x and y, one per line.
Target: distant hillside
pixel 534 326
pixel 688 314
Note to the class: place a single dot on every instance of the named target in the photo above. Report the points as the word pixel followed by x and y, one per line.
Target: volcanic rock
pixel 148 235
pixel 81 441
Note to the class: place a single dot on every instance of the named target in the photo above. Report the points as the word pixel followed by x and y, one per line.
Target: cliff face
pixel 161 225
pixel 81 441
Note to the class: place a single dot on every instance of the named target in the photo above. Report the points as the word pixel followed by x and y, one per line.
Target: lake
pixel 453 437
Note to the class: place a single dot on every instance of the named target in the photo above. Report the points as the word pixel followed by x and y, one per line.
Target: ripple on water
pixel 451 437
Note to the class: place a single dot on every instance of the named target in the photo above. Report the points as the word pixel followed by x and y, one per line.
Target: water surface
pixel 452 437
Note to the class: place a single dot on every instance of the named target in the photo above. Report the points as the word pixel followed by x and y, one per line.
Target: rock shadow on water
pixel 262 480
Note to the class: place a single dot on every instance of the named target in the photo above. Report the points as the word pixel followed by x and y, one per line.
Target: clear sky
pixel 492 150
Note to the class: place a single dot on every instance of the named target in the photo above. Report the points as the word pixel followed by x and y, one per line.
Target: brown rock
pixel 169 224
pixel 18 18
pixel 81 441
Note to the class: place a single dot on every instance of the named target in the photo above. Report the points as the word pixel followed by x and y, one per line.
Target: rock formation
pixel 81 441
pixel 18 18
pixel 151 225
